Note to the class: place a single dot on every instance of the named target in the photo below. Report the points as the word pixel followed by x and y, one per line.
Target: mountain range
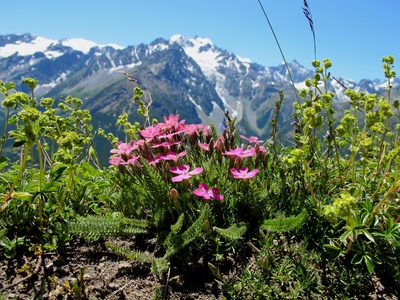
pixel 191 77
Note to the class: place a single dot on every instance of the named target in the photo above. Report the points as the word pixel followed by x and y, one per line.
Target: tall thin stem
pixel 280 50
pixel 4 137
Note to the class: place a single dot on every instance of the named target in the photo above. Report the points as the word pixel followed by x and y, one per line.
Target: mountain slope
pixel 187 76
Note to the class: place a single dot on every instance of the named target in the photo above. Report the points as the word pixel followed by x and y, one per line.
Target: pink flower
pixel 133 160
pixel 191 128
pixel 139 143
pixel 169 136
pixel 116 160
pixel 183 172
pixel 234 152
pixel 263 150
pixel 252 139
pixel 150 132
pixel 248 152
pixel 124 148
pixel 239 152
pixel 170 123
pixel 206 193
pixel 205 147
pixel 165 144
pixel 171 156
pixel 243 173
pixel 153 161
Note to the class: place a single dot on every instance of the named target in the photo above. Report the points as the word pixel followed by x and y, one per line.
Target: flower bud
pixel 207 228
pixel 327 63
pixel 173 193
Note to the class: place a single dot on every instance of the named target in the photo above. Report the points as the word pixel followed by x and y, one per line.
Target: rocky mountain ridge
pixel 187 76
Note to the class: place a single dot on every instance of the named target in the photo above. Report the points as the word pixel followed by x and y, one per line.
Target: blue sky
pixel 354 34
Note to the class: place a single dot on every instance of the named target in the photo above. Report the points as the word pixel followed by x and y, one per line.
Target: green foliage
pixel 196 192
pixel 357 155
pixel 178 240
pixel 157 192
pixel 10 246
pixel 232 233
pixel 51 172
pixel 96 227
pixel 285 224
pixel 158 265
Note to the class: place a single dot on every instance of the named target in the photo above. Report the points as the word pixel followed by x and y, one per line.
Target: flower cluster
pixel 206 193
pixel 160 142
pixel 178 150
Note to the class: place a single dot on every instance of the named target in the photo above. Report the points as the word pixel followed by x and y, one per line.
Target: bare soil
pixel 88 270
pixel 105 276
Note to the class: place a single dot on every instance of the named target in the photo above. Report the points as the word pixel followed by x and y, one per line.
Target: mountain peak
pixel 79 44
pixel 26 44
pixel 178 38
pixel 29 44
pixel 189 76
pixel 195 42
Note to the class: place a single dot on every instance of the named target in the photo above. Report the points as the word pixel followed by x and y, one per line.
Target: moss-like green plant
pixel 285 224
pixel 232 233
pixel 95 227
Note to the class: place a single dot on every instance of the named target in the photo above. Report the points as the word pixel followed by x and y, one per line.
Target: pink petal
pixel 216 195
pixel 180 169
pixel 204 146
pixel 251 174
pixel 179 178
pixel 248 152
pixel 234 152
pixel 196 171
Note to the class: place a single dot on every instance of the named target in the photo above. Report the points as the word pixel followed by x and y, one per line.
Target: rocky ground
pixel 90 271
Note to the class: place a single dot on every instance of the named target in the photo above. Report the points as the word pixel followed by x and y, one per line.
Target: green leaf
pixel 345 236
pixel 214 270
pixel 232 233
pixel 178 225
pixel 369 263
pixel 89 184
pixel 285 224
pixel 357 258
pixel 181 240
pixel 159 265
pixel 21 195
pixel 334 250
pixel 18 144
pixel 58 172
pixel 368 235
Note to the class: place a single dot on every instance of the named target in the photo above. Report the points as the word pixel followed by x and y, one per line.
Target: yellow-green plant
pixel 50 178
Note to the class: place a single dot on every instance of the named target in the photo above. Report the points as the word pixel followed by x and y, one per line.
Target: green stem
pixel 392 190
pixel 67 188
pixel 307 171
pixel 8 197
pixel 280 50
pixel 3 139
pixel 41 176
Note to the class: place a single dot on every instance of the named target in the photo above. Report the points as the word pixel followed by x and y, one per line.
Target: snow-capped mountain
pixel 29 44
pixel 191 77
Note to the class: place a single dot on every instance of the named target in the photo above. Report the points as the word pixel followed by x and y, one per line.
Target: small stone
pixel 124 268
pixel 113 286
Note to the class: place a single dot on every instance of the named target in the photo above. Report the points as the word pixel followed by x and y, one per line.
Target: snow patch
pixel 210 59
pixel 194 103
pixel 124 67
pixel 79 44
pixel 39 44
